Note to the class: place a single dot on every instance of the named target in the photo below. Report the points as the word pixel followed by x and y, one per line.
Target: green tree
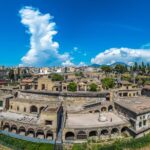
pixel 106 69
pixel 80 74
pixel 135 67
pixel 143 68
pixel 120 68
pixel 108 83
pixel 72 86
pixel 93 87
pixel 57 77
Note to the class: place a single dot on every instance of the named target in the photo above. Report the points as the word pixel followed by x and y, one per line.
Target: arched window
pixel 33 109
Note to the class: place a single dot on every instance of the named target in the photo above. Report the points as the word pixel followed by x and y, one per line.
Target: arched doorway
pixel 14 128
pixel 81 135
pixel 6 127
pixel 114 131
pixel 40 134
pixel 93 134
pixel 104 132
pixel 22 131
pixel 33 109
pixel 69 136
pixel 124 131
pixel 49 135
pixel 31 132
pixel 110 108
pixel 103 109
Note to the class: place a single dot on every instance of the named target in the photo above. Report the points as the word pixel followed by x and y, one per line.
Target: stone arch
pixel 110 108
pixel 92 133
pixel 81 135
pixel 96 111
pixel 49 135
pixel 6 126
pixel 103 109
pixel 40 134
pixel 104 132
pixel 22 130
pixel 108 96
pixel 115 131
pixel 14 128
pixel 33 109
pixel 41 108
pixel 69 136
pixel 31 132
pixel 124 131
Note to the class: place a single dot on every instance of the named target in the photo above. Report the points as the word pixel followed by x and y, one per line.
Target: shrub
pixel 72 87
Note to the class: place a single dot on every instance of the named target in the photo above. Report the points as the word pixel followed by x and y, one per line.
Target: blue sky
pixel 88 30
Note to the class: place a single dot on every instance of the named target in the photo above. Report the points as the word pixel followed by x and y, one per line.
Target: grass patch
pixel 18 144
pixel 122 144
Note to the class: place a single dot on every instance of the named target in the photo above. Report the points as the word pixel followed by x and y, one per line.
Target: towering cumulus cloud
pixel 125 55
pixel 43 49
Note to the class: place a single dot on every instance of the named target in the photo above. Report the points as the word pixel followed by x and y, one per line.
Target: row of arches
pixel 28 132
pixel 35 109
pixel 103 133
pixel 103 109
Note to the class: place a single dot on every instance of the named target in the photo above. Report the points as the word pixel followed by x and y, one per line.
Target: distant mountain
pixel 95 65
pixel 112 65
pixel 118 63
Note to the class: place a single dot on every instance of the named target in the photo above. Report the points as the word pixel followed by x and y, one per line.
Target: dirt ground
pixel 4 148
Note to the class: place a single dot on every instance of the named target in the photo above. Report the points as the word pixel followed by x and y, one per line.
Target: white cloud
pixel 82 64
pixel 43 49
pixel 67 63
pixel 125 55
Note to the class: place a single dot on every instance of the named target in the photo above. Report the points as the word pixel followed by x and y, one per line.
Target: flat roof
pixel 68 93
pixel 4 96
pixel 12 116
pixel 36 101
pixel 90 120
pixel 137 105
